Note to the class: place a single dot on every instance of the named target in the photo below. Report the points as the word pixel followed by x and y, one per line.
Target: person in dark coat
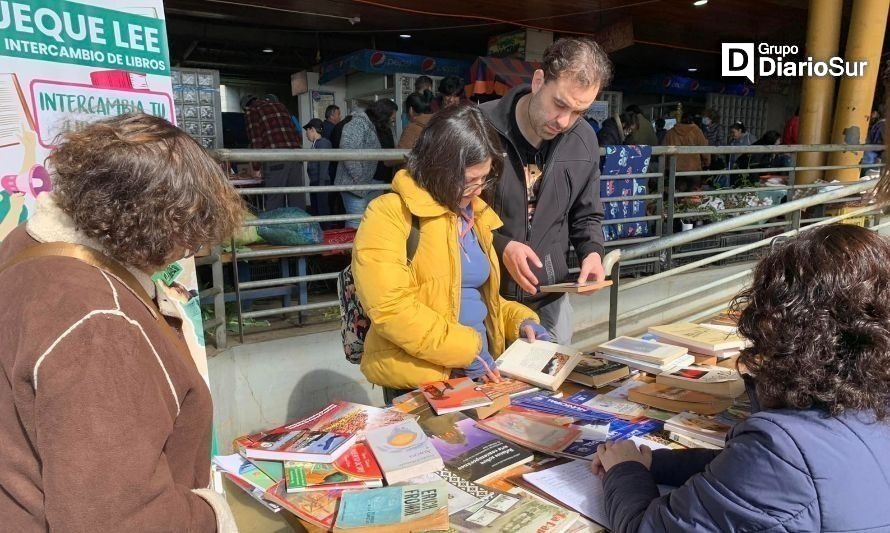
pixel 815 458
pixel 612 133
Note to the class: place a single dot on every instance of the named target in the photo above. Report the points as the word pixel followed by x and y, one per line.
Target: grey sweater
pixel 359 134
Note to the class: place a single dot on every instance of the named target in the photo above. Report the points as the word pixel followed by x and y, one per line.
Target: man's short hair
pixel 330 110
pixel 579 59
pixel 423 82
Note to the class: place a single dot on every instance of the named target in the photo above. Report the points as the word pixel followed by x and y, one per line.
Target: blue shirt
pixel 475 269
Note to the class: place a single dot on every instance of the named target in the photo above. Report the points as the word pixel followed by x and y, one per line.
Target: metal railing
pixel 613 259
pixel 645 250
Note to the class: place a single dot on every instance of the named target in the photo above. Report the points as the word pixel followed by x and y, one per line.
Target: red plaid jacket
pixel 269 125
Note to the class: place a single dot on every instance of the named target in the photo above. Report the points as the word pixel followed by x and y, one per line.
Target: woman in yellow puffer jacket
pixel 441 314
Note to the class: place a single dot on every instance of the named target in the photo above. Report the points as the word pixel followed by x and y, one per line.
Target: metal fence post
pixel 219 299
pixel 671 189
pixel 659 206
pixel 613 300
pixel 792 176
pixel 235 278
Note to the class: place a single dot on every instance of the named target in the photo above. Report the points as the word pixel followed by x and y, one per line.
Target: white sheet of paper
pixel 575 486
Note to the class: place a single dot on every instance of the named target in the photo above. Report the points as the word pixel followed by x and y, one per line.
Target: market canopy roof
pixel 497 75
pixel 382 62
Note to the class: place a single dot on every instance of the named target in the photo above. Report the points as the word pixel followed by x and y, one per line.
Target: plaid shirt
pixel 269 125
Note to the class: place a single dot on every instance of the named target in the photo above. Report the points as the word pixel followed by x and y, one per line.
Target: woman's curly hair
pixel 143 189
pixel 818 316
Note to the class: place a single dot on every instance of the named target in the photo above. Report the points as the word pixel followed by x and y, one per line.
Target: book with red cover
pixel 351 418
pixel 319 508
pixel 356 468
pixel 320 438
pixel 291 443
pixel 455 394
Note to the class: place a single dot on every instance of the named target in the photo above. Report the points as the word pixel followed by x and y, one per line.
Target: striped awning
pixel 497 75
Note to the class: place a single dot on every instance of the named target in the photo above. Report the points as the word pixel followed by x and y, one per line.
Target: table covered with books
pixel 514 456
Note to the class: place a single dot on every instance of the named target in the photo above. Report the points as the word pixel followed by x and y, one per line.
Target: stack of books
pixel 648 356
pixel 677 400
pixel 709 379
pixel 707 343
pixel 597 372
pixel 304 466
pixel 697 431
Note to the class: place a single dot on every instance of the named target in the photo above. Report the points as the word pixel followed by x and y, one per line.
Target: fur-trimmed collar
pixel 50 224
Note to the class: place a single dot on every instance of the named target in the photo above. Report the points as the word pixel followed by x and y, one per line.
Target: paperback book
pixel 713 380
pixel 406 508
pixel 697 337
pixel 287 443
pixel 699 427
pixel 540 363
pixel 596 372
pixel 645 366
pixel 508 513
pixel 354 469
pixel 647 351
pixel 319 508
pixel 455 394
pixel 678 400
pixel 471 452
pixel 531 433
pixel 403 451
pixel 557 406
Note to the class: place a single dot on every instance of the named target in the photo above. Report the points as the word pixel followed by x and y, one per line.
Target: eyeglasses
pixel 478 187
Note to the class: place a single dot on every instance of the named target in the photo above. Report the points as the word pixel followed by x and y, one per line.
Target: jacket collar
pixel 423 205
pixel 501 116
pixel 51 224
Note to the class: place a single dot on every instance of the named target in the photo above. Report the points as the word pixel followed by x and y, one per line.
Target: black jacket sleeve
pixel 674 467
pixel 586 215
pixel 628 489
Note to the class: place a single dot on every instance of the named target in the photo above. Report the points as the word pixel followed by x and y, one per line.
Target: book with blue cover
pixel 396 509
pixel 585 448
pixel 556 406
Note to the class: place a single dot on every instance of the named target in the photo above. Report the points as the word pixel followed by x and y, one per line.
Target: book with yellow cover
pixel 700 338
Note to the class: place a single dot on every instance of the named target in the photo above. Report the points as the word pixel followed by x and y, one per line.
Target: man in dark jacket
pixel 548 193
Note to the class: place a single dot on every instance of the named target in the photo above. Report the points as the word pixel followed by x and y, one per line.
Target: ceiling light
pixel 693 69
pixel 267 50
pixel 698 3
pixel 404 36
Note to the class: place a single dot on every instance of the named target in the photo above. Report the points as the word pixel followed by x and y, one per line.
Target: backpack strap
pixel 413 237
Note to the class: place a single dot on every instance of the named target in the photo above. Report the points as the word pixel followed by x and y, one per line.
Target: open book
pixel 540 363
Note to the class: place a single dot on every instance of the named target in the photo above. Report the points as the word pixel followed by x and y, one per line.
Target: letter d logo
pixel 737 59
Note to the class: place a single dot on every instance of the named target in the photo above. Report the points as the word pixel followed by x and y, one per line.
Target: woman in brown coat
pixel 417 106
